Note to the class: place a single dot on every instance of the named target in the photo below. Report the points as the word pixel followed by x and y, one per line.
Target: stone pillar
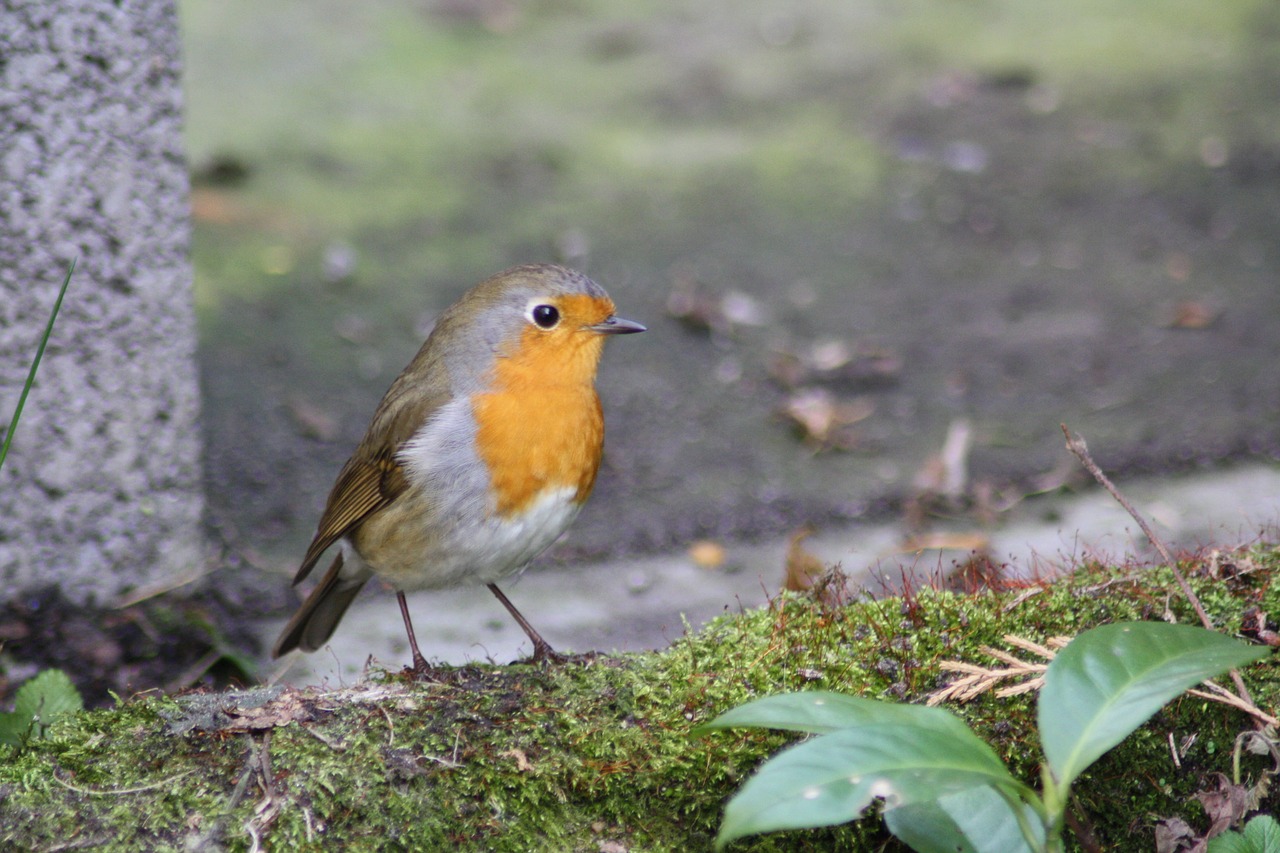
pixel 101 492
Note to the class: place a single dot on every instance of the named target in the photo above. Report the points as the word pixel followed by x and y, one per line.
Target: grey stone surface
pixel 101 491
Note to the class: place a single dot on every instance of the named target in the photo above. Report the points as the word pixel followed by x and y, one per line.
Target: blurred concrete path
pixel 645 603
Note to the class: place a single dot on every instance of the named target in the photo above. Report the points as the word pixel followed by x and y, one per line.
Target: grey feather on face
pixel 493 316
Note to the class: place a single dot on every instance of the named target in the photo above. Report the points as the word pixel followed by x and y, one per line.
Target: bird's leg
pixel 419 662
pixel 541 648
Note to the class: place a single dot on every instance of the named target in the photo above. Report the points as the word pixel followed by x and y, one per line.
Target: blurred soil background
pixel 853 228
pixel 880 217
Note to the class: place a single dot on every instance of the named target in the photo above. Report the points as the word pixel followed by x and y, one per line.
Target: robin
pixel 479 456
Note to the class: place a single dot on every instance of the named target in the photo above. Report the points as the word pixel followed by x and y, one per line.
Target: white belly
pixel 485 550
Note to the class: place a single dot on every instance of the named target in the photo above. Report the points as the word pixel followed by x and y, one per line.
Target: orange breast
pixel 541 425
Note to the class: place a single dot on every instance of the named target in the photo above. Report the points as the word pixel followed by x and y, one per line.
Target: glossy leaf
pixel 927 754
pixel 1111 679
pixel 820 712
pixel 978 820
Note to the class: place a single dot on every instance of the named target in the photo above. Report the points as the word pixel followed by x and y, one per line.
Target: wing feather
pixel 373 477
pixel 363 488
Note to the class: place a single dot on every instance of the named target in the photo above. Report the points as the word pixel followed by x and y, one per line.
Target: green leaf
pixel 979 820
pixel 14 729
pixel 37 705
pixel 926 754
pixel 1261 835
pixel 812 711
pixel 1111 679
pixel 47 696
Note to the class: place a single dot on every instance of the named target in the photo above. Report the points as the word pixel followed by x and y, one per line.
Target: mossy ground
pixel 595 754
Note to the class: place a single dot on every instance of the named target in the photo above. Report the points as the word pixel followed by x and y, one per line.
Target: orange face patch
pixel 567 353
pixel 540 426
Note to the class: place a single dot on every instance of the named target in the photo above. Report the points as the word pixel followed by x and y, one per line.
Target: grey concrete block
pixel 101 492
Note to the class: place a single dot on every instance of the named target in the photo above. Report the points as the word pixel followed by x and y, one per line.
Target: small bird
pixel 479 456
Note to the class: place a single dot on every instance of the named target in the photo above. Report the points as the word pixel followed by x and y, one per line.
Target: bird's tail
pixel 314 623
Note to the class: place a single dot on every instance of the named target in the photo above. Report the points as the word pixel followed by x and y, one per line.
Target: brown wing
pixel 364 486
pixel 372 477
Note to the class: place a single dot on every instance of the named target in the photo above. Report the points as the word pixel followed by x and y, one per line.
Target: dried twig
pixel 117 792
pixel 1077 446
pixel 268 808
pixel 448 762
pixel 1078 819
pixel 1224 696
pixel 335 745
pixel 977 680
pixel 208 840
pixel 391 727
pixel 1029 592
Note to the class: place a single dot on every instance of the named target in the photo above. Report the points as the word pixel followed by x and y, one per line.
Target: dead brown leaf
pixel 522 760
pixel 1193 314
pixel 946 474
pixel 699 308
pixel 836 363
pixel 1225 803
pixel 823 420
pixel 281 711
pixel 1174 835
pixel 802 568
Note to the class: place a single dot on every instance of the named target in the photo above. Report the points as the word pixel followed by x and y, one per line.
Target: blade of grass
pixel 35 365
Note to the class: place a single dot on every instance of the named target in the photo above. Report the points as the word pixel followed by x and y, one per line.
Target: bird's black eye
pixel 545 316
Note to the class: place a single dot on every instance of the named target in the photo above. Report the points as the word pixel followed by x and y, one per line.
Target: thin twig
pixel 268 808
pixel 1081 826
pixel 115 792
pixel 191 674
pixel 977 680
pixel 167 584
pixel 264 766
pixel 1077 446
pixel 206 840
pixel 448 762
pixel 336 746
pixel 1029 592
pixel 391 727
pixel 1226 697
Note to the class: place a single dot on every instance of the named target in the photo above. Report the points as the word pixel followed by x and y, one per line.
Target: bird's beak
pixel 616 326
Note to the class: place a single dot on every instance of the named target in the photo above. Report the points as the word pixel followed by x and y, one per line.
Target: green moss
pixel 522 757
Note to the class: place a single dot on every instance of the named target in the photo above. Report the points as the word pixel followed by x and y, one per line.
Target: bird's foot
pixel 543 653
